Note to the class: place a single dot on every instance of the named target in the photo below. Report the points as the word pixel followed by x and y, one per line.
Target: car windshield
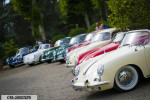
pixel 23 50
pixel 62 42
pixel 101 37
pixel 135 38
pixel 78 39
pixel 89 37
pixel 44 46
pixel 118 37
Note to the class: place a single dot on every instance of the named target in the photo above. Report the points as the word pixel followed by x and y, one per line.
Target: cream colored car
pixel 100 39
pixel 120 69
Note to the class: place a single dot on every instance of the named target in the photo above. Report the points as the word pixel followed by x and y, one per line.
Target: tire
pixel 126 79
pixel 40 60
pixel 11 66
pixel 49 61
pixel 31 64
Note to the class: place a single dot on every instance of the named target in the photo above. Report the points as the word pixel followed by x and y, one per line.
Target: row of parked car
pixel 101 60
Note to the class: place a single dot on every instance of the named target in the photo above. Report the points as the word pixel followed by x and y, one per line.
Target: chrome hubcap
pixel 125 77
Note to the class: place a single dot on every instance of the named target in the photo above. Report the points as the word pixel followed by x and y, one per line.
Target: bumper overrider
pixel 87 86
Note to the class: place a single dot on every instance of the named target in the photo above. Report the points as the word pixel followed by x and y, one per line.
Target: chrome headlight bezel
pixel 77 69
pixel 100 69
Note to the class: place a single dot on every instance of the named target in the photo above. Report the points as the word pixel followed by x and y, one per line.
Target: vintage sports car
pixel 18 58
pixel 87 41
pixel 34 57
pixel 48 54
pixel 61 52
pixel 100 39
pixel 120 69
pixel 113 45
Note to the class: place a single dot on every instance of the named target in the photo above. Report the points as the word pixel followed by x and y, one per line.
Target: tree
pixel 129 14
pixel 31 12
pixel 77 7
pixel 100 4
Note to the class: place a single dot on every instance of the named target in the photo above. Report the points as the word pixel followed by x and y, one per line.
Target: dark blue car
pixel 18 58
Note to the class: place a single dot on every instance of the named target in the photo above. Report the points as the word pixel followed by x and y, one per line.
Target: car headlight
pixel 77 69
pixel 76 61
pixel 100 69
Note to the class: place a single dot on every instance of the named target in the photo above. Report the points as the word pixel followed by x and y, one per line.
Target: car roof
pixel 139 30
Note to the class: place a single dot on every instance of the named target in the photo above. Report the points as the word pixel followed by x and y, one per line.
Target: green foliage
pixel 76 31
pixel 10 49
pixel 31 12
pixel 57 37
pixel 91 28
pixel 1 51
pixel 129 14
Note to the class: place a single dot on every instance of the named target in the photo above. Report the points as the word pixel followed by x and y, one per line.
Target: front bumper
pixel 68 64
pixel 60 57
pixel 46 58
pixel 91 87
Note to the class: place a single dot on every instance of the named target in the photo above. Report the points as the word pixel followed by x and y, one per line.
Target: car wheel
pixel 31 64
pixel 12 66
pixel 40 60
pixel 49 61
pixel 126 79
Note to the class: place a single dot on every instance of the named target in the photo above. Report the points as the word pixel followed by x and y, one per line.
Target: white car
pixel 120 69
pixel 100 39
pixel 32 58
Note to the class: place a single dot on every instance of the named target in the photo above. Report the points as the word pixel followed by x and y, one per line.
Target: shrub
pixel 57 37
pixel 1 51
pixel 76 31
pixel 10 49
pixel 91 28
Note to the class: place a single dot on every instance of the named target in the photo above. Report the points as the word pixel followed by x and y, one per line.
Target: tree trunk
pixel 41 31
pixel 87 20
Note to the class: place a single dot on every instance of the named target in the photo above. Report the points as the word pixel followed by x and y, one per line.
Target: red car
pixel 87 41
pixel 113 45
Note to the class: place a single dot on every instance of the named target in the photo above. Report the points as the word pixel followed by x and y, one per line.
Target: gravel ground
pixel 52 82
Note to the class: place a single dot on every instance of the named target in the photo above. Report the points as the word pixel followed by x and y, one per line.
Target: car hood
pixel 105 59
pixel 90 47
pixel 101 50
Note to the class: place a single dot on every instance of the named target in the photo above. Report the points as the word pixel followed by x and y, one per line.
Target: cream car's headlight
pixel 77 69
pixel 100 69
pixel 76 61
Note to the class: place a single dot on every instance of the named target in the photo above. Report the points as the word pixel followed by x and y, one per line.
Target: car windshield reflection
pixel 136 38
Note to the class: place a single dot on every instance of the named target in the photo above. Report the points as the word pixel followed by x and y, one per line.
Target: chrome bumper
pixel 90 87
